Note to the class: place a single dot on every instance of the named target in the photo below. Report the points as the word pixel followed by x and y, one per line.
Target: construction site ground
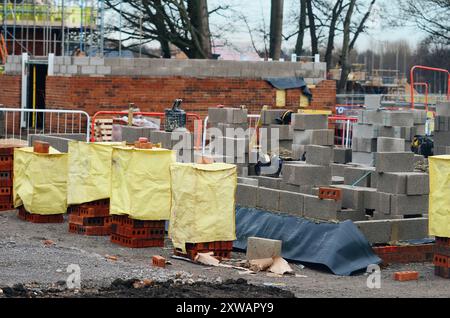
pixel 36 257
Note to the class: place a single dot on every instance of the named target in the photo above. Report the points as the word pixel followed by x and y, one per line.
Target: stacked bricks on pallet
pixel 91 219
pixel 220 250
pixel 442 257
pixel 24 215
pixel 137 234
pixel 6 178
pixel 442 129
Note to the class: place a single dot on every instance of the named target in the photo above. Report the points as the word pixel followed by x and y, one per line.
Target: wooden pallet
pixel 103 129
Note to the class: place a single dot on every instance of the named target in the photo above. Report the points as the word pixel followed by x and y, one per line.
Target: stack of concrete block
pixel 230 137
pixel 375 124
pixel 58 141
pixel 342 155
pixel 442 129
pixel 181 141
pixel 308 177
pixel 310 129
pixel 355 202
pixel 274 136
pixel 130 133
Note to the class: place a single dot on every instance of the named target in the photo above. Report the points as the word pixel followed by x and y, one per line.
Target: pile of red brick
pixel 6 177
pixel 24 215
pixel 442 257
pixel 405 254
pixel 137 234
pixel 90 218
pixel 221 249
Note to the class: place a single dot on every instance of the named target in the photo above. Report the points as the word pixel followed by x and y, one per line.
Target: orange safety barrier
pixel 3 50
pixel 427 68
pixel 196 124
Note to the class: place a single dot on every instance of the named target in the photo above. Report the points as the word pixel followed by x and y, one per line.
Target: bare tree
pixel 301 28
pixel 276 28
pixel 346 46
pixel 183 23
pixel 431 16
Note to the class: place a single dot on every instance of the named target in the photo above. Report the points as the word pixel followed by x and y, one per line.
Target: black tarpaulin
pixel 339 246
pixel 290 83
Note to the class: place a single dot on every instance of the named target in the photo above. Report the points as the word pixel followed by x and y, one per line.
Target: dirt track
pixel 25 259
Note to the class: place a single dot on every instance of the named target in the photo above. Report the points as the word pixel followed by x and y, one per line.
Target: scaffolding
pixel 42 27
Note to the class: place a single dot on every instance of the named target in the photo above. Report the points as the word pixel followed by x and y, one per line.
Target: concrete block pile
pixel 442 129
pixel 310 129
pixel 275 137
pixel 230 137
pixel 395 128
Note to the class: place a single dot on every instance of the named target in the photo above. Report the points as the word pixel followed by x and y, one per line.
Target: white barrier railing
pixel 18 123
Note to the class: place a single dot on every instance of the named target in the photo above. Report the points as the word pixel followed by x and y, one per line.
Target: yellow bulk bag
pixel 141 183
pixel 89 171
pixel 40 181
pixel 203 203
pixel 439 209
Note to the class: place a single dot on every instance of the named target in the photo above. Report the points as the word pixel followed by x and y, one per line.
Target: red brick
pixel 41 146
pixel 406 276
pixel 158 261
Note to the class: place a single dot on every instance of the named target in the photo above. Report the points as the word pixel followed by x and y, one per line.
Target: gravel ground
pixel 24 258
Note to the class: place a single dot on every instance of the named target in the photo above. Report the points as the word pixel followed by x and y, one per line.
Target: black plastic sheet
pixel 339 246
pixel 290 83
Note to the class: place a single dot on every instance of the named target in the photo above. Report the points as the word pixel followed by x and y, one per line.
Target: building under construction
pixel 42 27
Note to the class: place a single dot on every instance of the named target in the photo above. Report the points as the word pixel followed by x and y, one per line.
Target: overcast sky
pixel 258 10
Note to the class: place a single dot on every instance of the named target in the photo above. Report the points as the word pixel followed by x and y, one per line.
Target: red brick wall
pixel 10 90
pixel 155 94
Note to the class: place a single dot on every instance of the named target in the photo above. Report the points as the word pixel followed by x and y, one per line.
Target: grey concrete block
pixel 316 208
pixel 420 116
pixel 372 101
pixel 289 187
pixel 270 183
pixel 393 182
pixel 337 180
pixel 409 229
pixel 418 183
pixel 367 131
pixel 342 155
pixel 406 133
pixel 96 61
pixel 236 115
pixel 270 116
pixel 376 232
pixel 298 151
pixel 364 158
pixel 306 174
pixel 285 132
pixel 398 118
pixel 409 204
pixel 338 169
pixel 217 115
pixel 353 174
pixel 291 203
pixel 319 155
pixel 442 123
pixel 131 134
pixel 368 145
pixel 443 109
pixel 394 161
pixel 324 137
pixel 87 69
pixel 103 70
pixel 80 60
pixel 233 130
pixel 268 199
pixel 309 122
pixel 441 150
pixel 390 144
pixel 353 215
pixel 72 69
pixel 370 200
pixel 260 248
pixel 442 138
pixel 353 197
pixel 384 203
pixel 246 195
pixel 248 181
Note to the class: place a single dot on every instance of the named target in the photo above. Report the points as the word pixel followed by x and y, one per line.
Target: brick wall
pixel 157 93
pixel 10 90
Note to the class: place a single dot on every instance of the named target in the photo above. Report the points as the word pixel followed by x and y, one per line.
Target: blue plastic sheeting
pixel 339 246
pixel 289 83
